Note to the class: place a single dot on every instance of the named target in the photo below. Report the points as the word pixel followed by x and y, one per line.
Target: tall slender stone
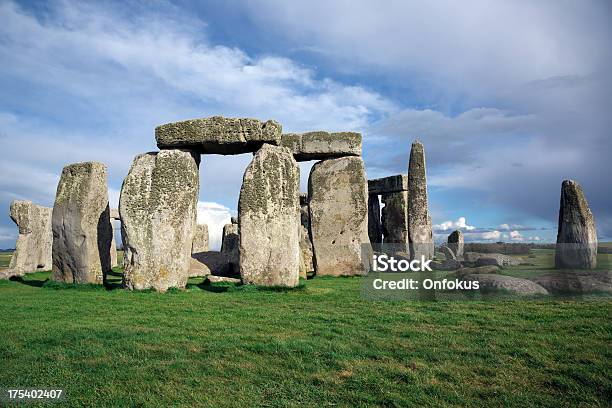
pixel 456 243
pixel 269 219
pixel 420 233
pixel 395 218
pixel 158 218
pixel 374 223
pixel 113 247
pixel 338 199
pixel 35 240
pixel 576 235
pixel 306 251
pixel 81 225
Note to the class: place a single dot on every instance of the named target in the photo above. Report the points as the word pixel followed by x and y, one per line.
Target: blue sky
pixel 509 97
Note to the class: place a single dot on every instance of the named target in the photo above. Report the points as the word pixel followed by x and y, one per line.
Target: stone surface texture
pixel 375 231
pixel 420 232
pixel 576 234
pixel 269 219
pixel 576 281
pixel 82 232
pixel 390 184
pixel 456 243
pixel 394 219
pixel 517 286
pixel 218 135
pixel 322 145
pixel 158 213
pixel 338 200
pixel 33 249
pixel 200 239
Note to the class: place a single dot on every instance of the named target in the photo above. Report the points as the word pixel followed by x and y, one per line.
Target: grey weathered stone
pixel 34 243
pixel 218 279
pixel 306 254
pixel 158 213
pixel 212 263
pixel 576 281
pixel 478 270
pixel 390 184
pixel 456 243
pixel 448 253
pixel 234 220
pixel 113 247
pixel 338 197
pixel 230 241
pixel 420 232
pixel 82 232
pixel 200 239
pixel 517 286
pixel 500 260
pixel 394 218
pixel 114 214
pixel 218 135
pixel 576 235
pixel 322 145
pixel 375 230
pixel 269 219
pixel 446 265
pixel 304 211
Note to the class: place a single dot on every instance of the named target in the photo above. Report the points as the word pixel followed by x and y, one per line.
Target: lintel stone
pixel 218 135
pixel 391 184
pixel 322 145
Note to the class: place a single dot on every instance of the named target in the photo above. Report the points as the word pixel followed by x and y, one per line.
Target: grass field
pixel 319 345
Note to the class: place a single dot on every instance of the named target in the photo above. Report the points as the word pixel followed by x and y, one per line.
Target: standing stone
pixel 82 231
pixel 395 218
pixel 306 251
pixel 33 247
pixel 200 239
pixel 113 247
pixel 420 233
pixel 230 241
pixel 338 198
pixel 158 218
pixel 456 243
pixel 114 215
pixel 269 219
pixel 576 235
pixel 374 224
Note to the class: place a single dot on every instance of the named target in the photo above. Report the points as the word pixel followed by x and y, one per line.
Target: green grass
pixel 320 345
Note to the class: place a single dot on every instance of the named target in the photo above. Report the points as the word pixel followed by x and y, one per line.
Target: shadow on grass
pixel 30 282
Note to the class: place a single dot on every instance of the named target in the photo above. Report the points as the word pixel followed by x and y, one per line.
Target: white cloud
pixel 215 216
pixel 491 235
pixel 448 225
pixel 516 236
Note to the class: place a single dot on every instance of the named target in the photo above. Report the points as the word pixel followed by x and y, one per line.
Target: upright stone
pixel 338 198
pixel 576 235
pixel 420 233
pixel 114 215
pixel 34 243
pixel 269 219
pixel 200 239
pixel 456 243
pixel 374 223
pixel 230 241
pixel 113 247
pixel 395 218
pixel 158 213
pixel 82 231
pixel 306 251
